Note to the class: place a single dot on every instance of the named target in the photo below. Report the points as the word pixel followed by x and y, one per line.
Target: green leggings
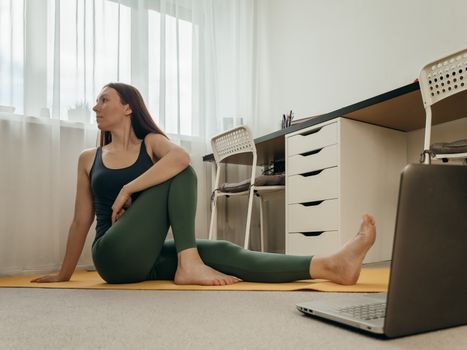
pixel 134 248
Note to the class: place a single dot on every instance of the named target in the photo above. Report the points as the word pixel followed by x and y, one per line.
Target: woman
pixel 138 184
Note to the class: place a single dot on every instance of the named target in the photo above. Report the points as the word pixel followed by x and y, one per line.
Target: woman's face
pixel 110 112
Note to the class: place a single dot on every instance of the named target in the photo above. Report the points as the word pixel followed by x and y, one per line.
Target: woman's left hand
pixel 122 202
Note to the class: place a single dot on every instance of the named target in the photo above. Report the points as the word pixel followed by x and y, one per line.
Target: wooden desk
pixel 400 109
pixel 325 192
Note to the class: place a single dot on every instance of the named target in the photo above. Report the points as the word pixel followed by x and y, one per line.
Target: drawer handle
pixel 312 204
pixel 312 173
pixel 314 131
pixel 311 233
pixel 311 152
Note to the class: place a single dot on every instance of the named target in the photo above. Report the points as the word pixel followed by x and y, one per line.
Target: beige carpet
pixel 371 280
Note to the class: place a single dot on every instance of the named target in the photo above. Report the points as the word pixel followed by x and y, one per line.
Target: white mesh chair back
pixel 438 80
pixel 233 141
pixel 443 78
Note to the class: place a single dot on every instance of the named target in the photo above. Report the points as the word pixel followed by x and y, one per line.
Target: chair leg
pixel 213 224
pixel 427 142
pixel 248 219
pixel 261 222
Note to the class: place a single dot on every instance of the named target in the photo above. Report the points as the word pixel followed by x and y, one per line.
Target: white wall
pixel 315 56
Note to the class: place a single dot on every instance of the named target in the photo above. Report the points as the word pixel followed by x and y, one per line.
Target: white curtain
pixel 191 59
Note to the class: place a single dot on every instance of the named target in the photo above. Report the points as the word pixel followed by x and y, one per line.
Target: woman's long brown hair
pixel 141 119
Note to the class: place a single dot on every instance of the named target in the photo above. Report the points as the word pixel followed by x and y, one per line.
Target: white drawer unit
pixel 312 139
pixel 313 216
pixel 321 158
pixel 303 244
pixel 335 172
pixel 322 184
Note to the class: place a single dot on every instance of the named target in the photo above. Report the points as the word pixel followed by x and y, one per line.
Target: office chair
pixel 438 80
pixel 237 141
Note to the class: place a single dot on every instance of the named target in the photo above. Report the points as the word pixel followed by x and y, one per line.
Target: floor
pixel 106 319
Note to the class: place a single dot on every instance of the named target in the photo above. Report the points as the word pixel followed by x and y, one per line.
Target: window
pixel 74 47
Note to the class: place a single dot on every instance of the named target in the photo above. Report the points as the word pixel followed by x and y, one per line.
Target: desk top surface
pixel 399 109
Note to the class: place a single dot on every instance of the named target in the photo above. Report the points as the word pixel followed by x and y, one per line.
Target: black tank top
pixel 106 184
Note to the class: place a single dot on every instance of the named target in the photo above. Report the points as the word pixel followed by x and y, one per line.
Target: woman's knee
pixel 183 189
pixel 120 278
pixel 114 271
pixel 186 177
pixel 115 265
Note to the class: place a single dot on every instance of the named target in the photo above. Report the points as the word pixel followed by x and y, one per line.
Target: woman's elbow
pixel 184 159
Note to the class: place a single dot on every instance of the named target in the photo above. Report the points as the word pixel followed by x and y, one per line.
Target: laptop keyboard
pixel 365 312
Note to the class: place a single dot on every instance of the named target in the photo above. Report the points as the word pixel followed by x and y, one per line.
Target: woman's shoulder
pixel 86 158
pixel 88 153
pixel 151 142
pixel 154 137
pixel 154 141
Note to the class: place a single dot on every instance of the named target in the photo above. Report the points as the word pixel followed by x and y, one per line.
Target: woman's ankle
pixel 188 257
pixel 320 267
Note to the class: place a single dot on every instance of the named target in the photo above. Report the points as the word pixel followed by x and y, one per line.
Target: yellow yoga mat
pixel 371 280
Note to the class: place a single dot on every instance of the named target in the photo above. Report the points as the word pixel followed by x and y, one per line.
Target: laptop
pixel 428 279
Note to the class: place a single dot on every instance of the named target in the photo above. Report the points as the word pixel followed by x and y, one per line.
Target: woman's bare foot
pixel 192 270
pixel 344 266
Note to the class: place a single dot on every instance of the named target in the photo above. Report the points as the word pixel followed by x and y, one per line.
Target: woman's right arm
pixel 82 221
